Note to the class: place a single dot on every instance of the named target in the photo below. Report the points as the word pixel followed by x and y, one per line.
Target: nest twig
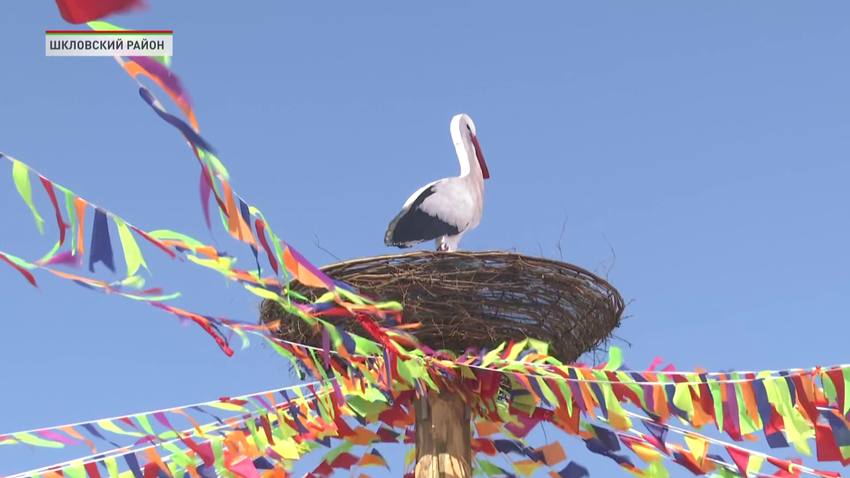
pixel 475 299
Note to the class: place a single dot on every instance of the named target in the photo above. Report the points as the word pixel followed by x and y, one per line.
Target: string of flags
pixel 668 392
pixel 696 455
pixel 697 398
pixel 275 428
pixel 142 425
pixel 173 244
pixel 365 385
pixel 72 245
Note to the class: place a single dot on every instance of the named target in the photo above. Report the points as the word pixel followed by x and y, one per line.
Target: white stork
pixel 445 210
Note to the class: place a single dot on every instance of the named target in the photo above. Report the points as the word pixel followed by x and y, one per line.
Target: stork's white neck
pixel 465 149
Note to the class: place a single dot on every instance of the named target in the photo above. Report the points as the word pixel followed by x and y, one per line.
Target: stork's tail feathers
pixel 390 241
pixel 389 238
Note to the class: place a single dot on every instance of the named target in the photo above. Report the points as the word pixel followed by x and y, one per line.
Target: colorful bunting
pixel 317 415
pixel 374 379
pixel 100 249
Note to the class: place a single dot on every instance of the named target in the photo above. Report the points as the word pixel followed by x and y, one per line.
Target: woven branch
pixel 475 300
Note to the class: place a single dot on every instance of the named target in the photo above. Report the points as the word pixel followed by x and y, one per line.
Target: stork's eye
pixel 469 128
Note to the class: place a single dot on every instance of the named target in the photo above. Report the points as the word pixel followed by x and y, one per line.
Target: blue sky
pixel 707 143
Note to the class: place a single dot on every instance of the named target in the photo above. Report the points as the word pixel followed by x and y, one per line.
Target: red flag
pixel 741 458
pixel 82 11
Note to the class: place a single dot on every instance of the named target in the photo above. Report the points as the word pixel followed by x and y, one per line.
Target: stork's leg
pixel 451 242
pixel 442 245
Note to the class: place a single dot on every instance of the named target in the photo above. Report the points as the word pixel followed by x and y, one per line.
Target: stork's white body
pixel 445 210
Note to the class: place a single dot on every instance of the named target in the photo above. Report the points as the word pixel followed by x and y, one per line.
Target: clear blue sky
pixel 707 142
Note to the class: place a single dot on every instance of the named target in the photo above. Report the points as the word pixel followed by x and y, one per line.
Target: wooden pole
pixel 443 437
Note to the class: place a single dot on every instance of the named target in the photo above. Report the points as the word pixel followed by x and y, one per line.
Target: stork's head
pixel 464 129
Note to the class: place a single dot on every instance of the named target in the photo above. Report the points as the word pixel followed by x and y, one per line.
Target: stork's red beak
pixel 484 171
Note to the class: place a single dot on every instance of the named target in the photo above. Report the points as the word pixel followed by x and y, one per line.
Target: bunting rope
pixel 49 436
pixel 331 405
pixel 273 428
pixel 580 377
pixel 175 245
pixel 698 445
pixel 170 242
pixel 696 398
pixel 602 380
pixel 374 380
pixel 215 182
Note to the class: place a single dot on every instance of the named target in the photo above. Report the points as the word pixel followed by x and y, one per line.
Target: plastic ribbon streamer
pixel 72 244
pixel 242 221
pixel 142 426
pixel 82 11
pixel 787 406
pixel 373 380
pixel 265 441
pixel 277 432
pixel 696 457
pixel 173 243
pixel 321 414
pixel 215 326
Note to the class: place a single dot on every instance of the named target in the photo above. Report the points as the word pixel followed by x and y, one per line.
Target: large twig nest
pixel 475 299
